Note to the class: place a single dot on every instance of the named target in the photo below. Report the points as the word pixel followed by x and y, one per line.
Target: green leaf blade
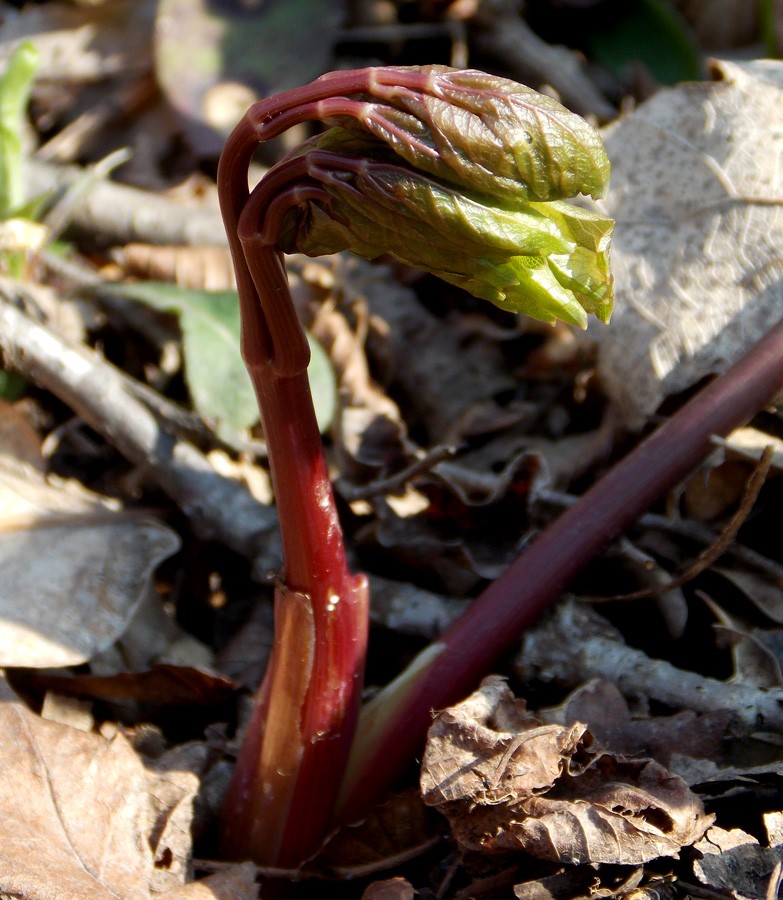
pixel 214 371
pixel 15 86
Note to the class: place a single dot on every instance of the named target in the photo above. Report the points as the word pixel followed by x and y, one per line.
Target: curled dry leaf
pixel 74 571
pixel 162 685
pixel 506 782
pixel 696 254
pixel 80 814
pixel 577 882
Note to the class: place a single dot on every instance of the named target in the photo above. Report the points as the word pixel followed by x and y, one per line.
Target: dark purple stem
pixel 494 623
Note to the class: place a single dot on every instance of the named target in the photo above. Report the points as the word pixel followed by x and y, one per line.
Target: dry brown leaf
pixel 394 832
pixel 603 708
pixel 754 651
pixel 199 268
pixel 733 862
pixel 422 349
pixel 580 881
pixel 696 254
pixel 761 589
pixel 77 814
pixel 18 439
pixel 171 799
pixel 506 782
pixel 74 571
pixel 162 685
pixel 368 430
pixel 410 609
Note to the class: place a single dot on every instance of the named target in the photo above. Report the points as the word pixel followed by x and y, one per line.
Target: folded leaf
pixel 547 260
pixel 490 134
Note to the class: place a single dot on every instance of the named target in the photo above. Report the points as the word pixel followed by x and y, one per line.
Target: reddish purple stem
pixel 494 623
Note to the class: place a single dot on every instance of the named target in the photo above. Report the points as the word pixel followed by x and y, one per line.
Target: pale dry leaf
pixel 506 782
pixel 74 571
pixel 773 826
pixel 172 795
pixel 749 443
pixel 697 248
pixel 82 44
pixel 234 882
pixel 733 862
pixel 75 811
pixel 69 711
pixel 390 889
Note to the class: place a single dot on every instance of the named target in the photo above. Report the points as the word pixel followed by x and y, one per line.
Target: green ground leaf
pixel 215 374
pixel 651 32
pixel 15 85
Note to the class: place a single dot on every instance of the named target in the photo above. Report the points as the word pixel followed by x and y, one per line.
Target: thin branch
pixel 576 645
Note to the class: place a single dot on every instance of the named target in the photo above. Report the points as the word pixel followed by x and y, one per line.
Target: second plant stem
pixel 492 626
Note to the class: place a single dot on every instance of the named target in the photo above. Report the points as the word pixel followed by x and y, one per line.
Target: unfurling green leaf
pixel 463 177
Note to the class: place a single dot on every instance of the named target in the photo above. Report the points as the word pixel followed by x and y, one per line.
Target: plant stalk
pixel 280 802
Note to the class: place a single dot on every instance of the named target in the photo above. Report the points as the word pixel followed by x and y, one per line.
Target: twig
pixel 396 482
pixel 217 508
pixel 115 214
pixel 71 140
pixel 576 645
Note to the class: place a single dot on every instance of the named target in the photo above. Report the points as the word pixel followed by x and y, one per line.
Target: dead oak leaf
pixel 77 817
pixel 505 782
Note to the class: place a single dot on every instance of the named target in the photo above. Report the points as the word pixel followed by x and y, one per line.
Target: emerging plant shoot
pixel 461 174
